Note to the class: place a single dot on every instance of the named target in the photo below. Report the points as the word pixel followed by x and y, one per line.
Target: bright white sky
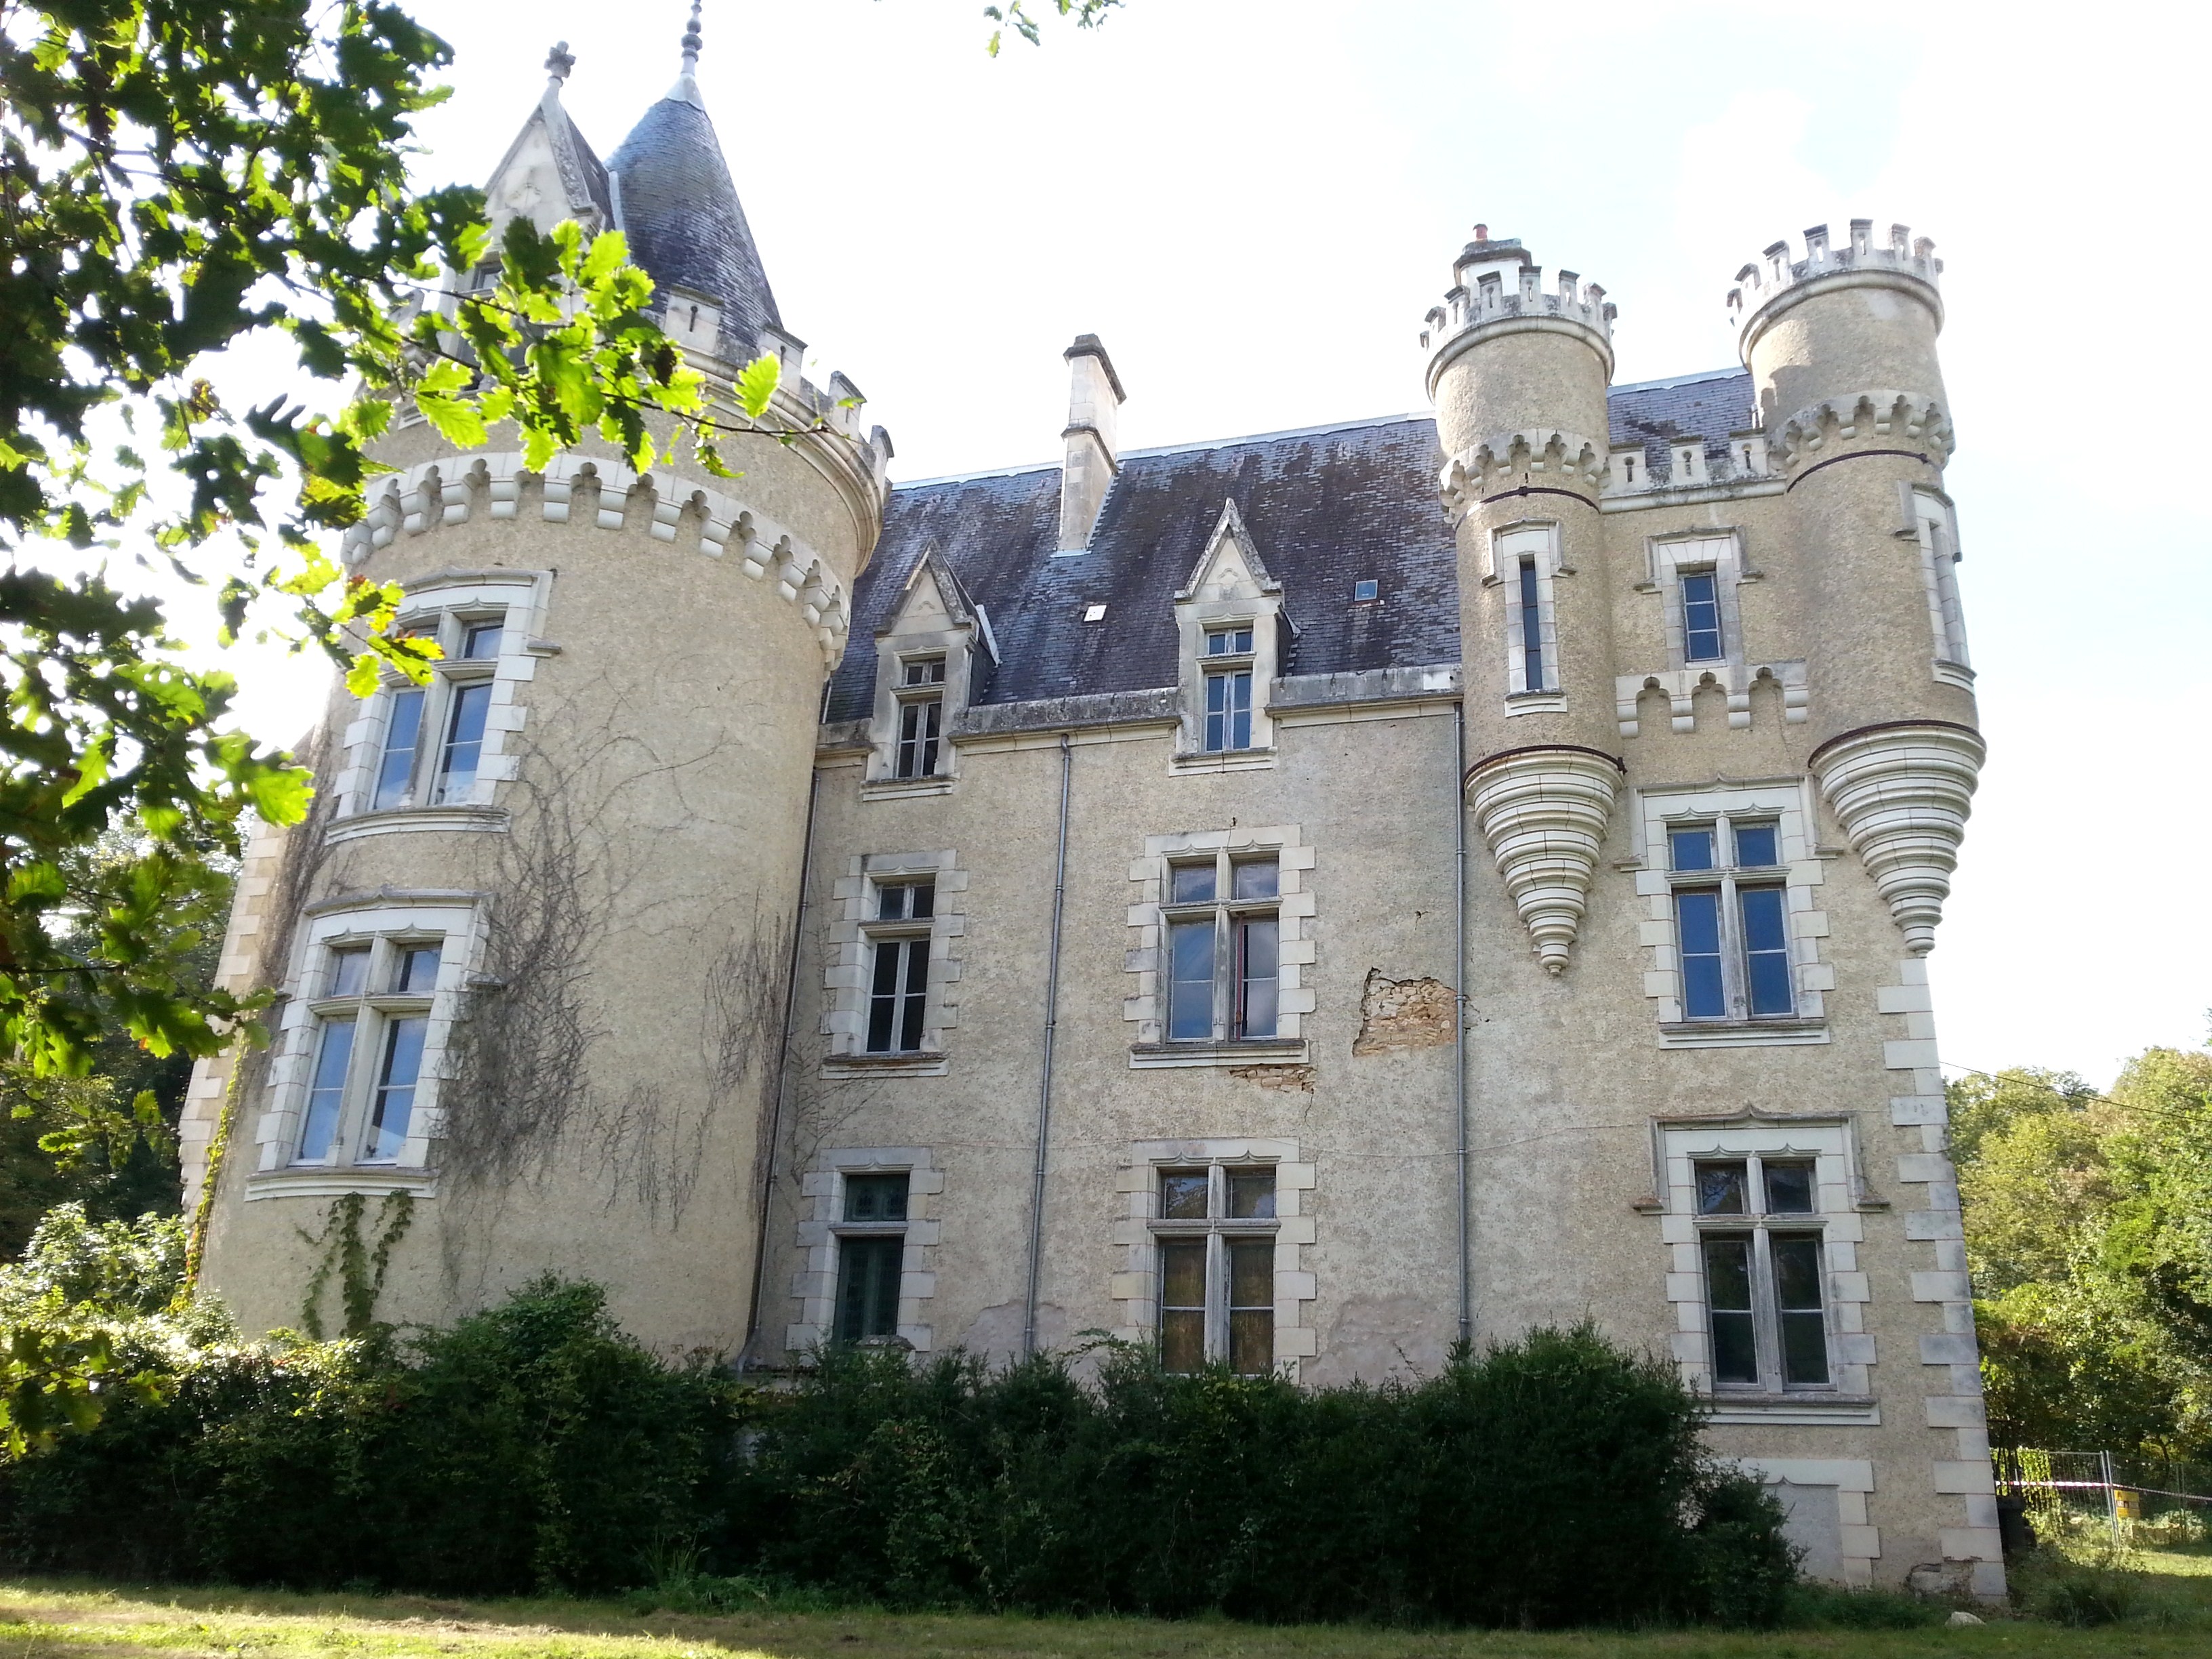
pixel 1254 205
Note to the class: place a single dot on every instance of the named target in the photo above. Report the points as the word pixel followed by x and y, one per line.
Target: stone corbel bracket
pixel 1902 792
pixel 670 508
pixel 1508 460
pixel 1870 420
pixel 1543 811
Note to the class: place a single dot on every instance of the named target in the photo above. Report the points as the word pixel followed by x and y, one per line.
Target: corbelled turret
pixel 1519 377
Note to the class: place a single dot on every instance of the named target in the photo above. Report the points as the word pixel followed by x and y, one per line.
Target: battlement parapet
pixel 1774 280
pixel 1497 287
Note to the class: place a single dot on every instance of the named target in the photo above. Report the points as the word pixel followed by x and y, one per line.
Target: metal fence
pixel 2101 1496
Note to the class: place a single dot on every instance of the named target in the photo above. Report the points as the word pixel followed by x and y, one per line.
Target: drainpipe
pixel 782 1069
pixel 1044 1081
pixel 1460 1012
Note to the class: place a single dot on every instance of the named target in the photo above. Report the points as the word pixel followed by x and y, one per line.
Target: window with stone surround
pixel 434 752
pixel 1733 932
pixel 433 734
pixel 1731 921
pixel 1228 669
pixel 870 1255
pixel 1762 1218
pixel 1216 1234
pixel 898 970
pixel 921 698
pixel 1939 569
pixel 1222 936
pixel 1212 1239
pixel 1224 942
pixel 1523 560
pixel 891 969
pixel 354 1074
pixel 867 1234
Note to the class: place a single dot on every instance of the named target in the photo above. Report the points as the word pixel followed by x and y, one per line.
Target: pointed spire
pixel 680 210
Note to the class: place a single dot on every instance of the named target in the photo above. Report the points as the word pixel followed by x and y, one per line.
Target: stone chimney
pixel 1094 399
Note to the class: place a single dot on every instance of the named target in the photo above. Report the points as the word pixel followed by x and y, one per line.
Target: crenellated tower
pixel 1841 346
pixel 1518 373
pixel 534 944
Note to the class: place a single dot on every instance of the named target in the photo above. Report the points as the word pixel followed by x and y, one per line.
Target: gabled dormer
pixel 1234 639
pixel 925 667
pixel 548 173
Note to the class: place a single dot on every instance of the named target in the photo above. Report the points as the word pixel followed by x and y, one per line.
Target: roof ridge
pixel 1679 380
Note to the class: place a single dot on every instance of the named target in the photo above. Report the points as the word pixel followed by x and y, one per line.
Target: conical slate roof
pixel 680 212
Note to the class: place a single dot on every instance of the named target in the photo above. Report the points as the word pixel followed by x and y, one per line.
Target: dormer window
pixel 1228 689
pixel 921 716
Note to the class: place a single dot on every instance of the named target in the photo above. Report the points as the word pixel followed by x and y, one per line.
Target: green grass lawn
pixel 54 1619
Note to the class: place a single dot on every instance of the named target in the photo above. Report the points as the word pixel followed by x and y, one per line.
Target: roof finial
pixel 559 61
pixel 691 40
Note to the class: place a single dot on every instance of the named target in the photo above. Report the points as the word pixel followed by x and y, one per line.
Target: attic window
pixel 1092 613
pixel 1366 591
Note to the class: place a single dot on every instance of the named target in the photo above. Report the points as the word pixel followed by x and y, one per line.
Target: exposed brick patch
pixel 1403 1013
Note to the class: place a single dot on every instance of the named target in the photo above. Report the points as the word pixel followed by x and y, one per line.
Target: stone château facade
pixel 1304 899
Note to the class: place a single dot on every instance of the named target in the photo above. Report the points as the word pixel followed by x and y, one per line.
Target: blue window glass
pixel 1366 590
pixel 1228 642
pixel 401 736
pixel 1229 711
pixel 1765 951
pixel 1693 849
pixel 1190 997
pixel 394 1108
pixel 1256 950
pixel 1755 848
pixel 1532 630
pixel 457 768
pixel 1701 617
pixel 1698 921
pixel 327 1094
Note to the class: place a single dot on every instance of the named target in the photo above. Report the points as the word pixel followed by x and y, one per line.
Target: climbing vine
pixel 359 1265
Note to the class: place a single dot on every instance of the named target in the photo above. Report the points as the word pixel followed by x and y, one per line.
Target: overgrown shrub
pixel 531 1446
pixel 1552 1481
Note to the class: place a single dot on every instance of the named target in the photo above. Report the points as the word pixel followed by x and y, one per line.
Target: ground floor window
pixel 870 1257
pixel 1216 1237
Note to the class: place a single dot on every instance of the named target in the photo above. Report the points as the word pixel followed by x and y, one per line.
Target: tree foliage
pixel 176 177
pixel 2089 1233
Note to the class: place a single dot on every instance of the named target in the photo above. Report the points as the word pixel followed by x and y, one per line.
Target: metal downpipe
pixel 1044 1079
pixel 1460 1008
pixel 783 1073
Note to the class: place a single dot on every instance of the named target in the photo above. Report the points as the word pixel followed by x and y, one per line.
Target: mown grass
pixel 56 1619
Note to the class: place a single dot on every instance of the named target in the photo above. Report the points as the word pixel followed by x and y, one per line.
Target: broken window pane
pixel 1720 1189
pixel 1789 1187
pixel 1251 1193
pixel 1182 1196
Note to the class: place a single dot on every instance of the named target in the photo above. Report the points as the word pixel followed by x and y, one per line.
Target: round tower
pixel 535 943
pixel 1841 347
pixel 1518 375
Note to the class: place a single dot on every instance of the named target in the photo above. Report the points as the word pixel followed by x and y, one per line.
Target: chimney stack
pixel 1094 399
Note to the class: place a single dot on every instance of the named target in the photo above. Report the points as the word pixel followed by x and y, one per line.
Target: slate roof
pixel 680 211
pixel 1325 508
pixel 1660 412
